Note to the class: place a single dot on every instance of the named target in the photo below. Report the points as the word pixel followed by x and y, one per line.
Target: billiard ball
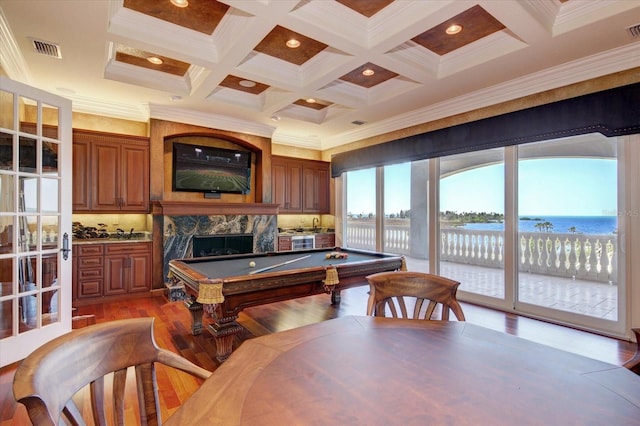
pixel 252 264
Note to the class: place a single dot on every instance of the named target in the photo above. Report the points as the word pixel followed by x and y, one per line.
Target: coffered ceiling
pixel 361 67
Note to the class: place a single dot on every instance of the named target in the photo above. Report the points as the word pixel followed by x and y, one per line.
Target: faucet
pixel 315 228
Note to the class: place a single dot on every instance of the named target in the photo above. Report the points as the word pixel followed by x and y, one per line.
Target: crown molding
pixel 11 58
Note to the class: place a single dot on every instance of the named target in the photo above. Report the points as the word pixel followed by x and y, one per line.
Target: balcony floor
pixel 565 294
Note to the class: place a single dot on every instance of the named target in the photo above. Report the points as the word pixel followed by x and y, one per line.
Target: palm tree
pixel 572 229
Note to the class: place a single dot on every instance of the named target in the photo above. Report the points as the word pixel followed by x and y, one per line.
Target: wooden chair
pixel 48 378
pixel 634 363
pixel 393 289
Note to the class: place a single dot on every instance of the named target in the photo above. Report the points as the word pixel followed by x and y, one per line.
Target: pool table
pixel 221 286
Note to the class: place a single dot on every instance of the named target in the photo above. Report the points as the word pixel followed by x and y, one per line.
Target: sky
pixel 548 187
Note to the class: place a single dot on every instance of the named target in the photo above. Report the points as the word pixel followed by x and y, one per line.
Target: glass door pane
pixel 361 209
pixel 472 223
pixel 405 221
pixel 567 228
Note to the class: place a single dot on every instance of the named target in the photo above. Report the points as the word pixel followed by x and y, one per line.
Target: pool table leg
pixel 335 297
pixel 224 333
pixel 196 311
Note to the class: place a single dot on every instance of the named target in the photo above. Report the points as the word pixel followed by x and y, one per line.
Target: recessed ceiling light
pixel 154 60
pixel 176 98
pixel 275 118
pixel 180 3
pixel 247 83
pixel 368 72
pixel 453 29
pixel 293 43
pixel 311 101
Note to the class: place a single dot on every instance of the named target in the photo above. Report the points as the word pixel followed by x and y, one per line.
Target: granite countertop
pixel 304 231
pixel 137 237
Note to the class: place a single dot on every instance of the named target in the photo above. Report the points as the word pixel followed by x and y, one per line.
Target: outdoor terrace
pixel 564 271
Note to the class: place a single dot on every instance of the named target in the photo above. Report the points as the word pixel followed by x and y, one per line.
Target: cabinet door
pixel 284 243
pixel 325 240
pixel 115 277
pixel 294 188
pixel 322 193
pixel 286 185
pixel 310 183
pixel 81 187
pixel 134 167
pixel 316 189
pixel 105 175
pixel 279 184
pixel 139 274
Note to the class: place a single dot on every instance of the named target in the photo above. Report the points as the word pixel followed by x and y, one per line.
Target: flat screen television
pixel 207 169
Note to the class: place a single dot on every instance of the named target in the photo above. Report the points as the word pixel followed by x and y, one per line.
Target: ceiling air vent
pixel 46 48
pixel 358 122
pixel 634 31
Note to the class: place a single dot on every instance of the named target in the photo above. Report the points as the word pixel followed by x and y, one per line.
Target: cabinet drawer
pixel 90 273
pixel 90 262
pixel 128 248
pixel 90 249
pixel 90 288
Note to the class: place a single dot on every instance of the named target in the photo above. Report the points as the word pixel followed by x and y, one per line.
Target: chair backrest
pixel 47 379
pixel 394 291
pixel 633 364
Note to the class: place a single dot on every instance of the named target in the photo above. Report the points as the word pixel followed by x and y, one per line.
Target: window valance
pixel 612 112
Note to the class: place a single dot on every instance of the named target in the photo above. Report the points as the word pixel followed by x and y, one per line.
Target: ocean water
pixel 561 224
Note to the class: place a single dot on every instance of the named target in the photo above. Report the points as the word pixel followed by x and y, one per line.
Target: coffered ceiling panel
pixel 372 66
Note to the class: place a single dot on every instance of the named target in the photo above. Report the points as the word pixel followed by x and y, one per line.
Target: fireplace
pixel 218 245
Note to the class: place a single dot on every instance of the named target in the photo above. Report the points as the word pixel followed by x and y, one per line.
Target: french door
pixel 35 218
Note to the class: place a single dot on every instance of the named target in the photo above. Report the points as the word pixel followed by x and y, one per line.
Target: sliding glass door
pixel 568 245
pixel 533 228
pixel 472 220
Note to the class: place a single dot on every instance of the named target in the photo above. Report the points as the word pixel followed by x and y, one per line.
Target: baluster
pixel 548 246
pixel 567 255
pixel 558 252
pixel 539 249
pixel 588 256
pixel 492 243
pixel 474 243
pixel 465 242
pixel 577 248
pixel 598 256
pixel 610 250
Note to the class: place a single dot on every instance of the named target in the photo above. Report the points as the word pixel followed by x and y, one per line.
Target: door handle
pixel 65 246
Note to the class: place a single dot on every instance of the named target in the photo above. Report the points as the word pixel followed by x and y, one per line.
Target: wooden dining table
pixel 382 371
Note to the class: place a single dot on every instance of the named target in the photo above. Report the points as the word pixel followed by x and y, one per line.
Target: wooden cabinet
pixel 315 184
pixel 287 184
pixel 325 240
pixel 300 186
pixel 284 243
pixel 127 268
pixel 88 271
pixel 111 172
pixel 103 269
pixel 81 182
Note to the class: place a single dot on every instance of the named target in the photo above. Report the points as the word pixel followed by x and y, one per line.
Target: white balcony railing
pixel 581 256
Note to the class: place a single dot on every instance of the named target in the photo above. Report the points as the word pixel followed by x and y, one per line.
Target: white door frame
pixel 19 344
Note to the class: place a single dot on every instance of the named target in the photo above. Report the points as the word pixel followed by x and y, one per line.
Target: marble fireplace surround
pixel 181 221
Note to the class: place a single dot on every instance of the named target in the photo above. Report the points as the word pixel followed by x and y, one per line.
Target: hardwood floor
pixel 173 323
